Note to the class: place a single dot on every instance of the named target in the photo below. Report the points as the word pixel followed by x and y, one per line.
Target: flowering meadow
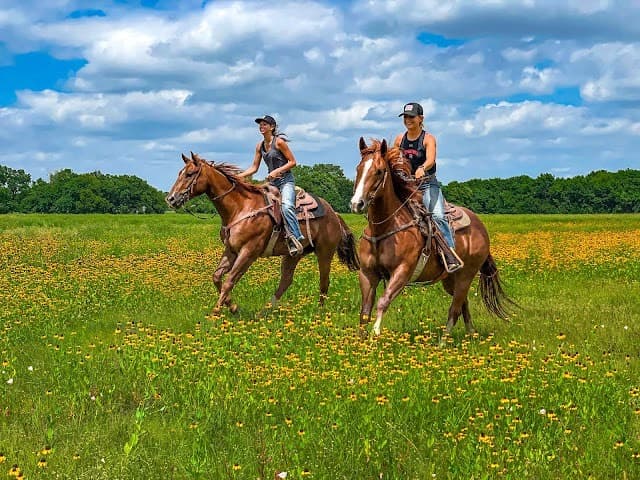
pixel 112 368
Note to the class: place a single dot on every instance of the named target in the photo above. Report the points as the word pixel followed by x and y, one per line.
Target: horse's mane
pixel 404 183
pixel 231 172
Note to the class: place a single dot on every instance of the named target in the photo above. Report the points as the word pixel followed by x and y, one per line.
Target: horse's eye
pixel 190 174
pixel 379 171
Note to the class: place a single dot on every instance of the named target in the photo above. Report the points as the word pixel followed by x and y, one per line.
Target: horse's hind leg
pixel 324 268
pixel 287 269
pixel 458 287
pixel 466 315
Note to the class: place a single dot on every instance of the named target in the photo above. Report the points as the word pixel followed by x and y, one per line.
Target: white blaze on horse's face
pixel 358 202
pixel 182 189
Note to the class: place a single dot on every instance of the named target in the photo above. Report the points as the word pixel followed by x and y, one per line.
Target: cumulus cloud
pixel 180 76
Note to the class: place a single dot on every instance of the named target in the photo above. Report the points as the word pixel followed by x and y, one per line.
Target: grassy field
pixel 111 369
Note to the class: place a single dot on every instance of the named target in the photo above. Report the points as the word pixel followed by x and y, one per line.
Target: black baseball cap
pixel 412 109
pixel 267 118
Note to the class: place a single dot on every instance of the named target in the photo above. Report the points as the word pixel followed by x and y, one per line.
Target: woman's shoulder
pixel 429 138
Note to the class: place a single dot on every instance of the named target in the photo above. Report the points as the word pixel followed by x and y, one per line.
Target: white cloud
pixel 159 82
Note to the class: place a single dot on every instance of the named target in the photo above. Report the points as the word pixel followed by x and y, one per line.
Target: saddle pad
pixel 458 218
pixel 308 206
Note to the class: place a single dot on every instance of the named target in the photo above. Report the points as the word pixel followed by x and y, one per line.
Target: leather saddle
pixel 457 217
pixel 308 207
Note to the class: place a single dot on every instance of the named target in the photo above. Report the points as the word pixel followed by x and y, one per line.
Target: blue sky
pixel 509 87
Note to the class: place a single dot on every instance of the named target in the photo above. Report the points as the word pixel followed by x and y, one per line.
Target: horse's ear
pixel 185 159
pixel 362 144
pixel 195 158
pixel 383 147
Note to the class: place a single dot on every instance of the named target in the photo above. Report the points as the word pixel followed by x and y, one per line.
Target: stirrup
pixel 454 263
pixel 294 245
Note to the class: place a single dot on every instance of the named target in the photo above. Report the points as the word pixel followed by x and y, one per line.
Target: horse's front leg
pixel 247 255
pixel 368 283
pixel 226 262
pixel 398 280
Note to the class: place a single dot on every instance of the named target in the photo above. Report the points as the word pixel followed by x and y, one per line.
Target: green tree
pixel 327 181
pixel 14 185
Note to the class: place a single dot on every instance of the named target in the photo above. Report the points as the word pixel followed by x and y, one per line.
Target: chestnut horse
pixel 247 227
pixel 392 244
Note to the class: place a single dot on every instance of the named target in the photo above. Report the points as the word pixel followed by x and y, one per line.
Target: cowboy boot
pixel 450 259
pixel 452 263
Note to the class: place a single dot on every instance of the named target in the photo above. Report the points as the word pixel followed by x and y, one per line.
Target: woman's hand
pixel 272 176
pixel 420 172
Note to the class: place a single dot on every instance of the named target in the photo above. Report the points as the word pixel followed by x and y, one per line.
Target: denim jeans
pixel 434 203
pixel 286 185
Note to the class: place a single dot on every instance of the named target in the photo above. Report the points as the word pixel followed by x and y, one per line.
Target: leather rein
pixel 372 195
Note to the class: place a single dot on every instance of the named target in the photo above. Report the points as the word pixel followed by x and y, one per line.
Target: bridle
pixel 373 193
pixel 187 192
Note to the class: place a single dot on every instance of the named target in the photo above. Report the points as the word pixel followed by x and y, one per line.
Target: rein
pixel 379 238
pixel 188 191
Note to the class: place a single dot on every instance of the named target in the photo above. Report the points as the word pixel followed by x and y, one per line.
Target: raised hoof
pixel 233 308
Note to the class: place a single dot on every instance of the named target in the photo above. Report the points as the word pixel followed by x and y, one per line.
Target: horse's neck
pixel 226 197
pixel 387 211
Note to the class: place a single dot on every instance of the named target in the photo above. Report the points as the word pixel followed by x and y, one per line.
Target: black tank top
pixel 274 158
pixel 414 151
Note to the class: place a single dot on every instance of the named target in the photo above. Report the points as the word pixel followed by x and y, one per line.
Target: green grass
pixel 109 367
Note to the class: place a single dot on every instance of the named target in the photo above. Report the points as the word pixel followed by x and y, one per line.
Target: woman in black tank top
pixel 278 157
pixel 419 148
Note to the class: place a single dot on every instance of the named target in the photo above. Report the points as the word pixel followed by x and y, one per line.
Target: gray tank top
pixel 274 158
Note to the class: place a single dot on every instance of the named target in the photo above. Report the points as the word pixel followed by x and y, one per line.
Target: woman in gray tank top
pixel 278 157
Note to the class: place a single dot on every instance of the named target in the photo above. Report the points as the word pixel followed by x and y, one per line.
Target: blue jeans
pixel 434 203
pixel 286 185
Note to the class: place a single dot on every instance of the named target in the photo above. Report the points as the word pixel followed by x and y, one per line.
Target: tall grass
pixel 110 367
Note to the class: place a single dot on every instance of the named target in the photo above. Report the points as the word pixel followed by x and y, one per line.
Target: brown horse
pixel 248 223
pixel 392 246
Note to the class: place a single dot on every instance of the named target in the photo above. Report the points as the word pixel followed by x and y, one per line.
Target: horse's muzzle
pixel 175 200
pixel 358 207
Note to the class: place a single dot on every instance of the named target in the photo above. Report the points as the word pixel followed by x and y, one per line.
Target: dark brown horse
pixel 393 245
pixel 247 226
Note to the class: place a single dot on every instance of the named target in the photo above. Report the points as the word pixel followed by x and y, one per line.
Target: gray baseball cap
pixel 412 109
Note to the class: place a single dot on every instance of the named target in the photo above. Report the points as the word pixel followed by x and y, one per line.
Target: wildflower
pixel 305 473
pixel 15 471
pixel 10 381
pixel 237 467
pixel 2 458
pixel 42 463
pixel 561 336
pixel 281 475
pixel 46 450
pixel 30 368
pixel 76 456
pixel 618 444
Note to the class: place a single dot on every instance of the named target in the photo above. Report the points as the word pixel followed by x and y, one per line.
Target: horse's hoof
pixel 362 333
pixel 233 308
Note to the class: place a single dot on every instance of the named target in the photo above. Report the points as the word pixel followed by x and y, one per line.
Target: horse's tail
pixel 493 295
pixel 347 252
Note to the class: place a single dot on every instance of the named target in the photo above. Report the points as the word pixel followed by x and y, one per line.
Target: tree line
pixel 69 192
